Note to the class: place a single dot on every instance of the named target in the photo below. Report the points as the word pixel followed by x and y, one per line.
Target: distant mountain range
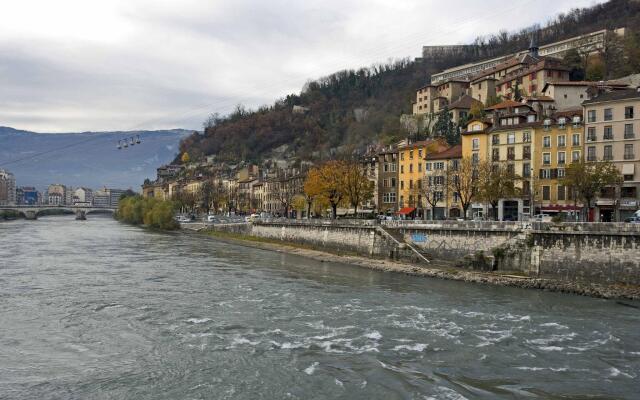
pixel 89 159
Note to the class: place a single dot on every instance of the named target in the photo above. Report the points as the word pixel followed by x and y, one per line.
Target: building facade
pixel 387 180
pixel 612 123
pixel 7 188
pixel 57 195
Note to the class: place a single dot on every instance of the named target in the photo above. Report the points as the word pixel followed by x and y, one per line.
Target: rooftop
pixel 451 152
pixel 626 94
pixel 464 102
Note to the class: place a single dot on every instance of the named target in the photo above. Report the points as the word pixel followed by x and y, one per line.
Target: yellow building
pixel 412 159
pixel 558 143
pixel 475 140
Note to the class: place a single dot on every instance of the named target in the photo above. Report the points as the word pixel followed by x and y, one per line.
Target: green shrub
pixel 150 212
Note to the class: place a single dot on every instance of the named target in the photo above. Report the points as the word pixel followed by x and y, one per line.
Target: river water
pixel 99 310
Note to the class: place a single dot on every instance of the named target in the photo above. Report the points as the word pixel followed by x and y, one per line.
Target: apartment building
pixel 612 128
pixel 440 169
pixel 387 180
pixel 370 169
pixel 411 163
pixel 558 143
pixel 7 188
pixel 430 99
pixel 56 195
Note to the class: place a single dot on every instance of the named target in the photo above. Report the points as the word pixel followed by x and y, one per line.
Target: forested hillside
pixel 362 107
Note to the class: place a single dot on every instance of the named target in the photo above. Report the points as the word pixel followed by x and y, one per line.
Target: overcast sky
pixel 78 65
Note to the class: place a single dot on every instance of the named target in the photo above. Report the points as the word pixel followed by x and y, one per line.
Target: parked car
pixel 210 218
pixel 183 218
pixel 633 220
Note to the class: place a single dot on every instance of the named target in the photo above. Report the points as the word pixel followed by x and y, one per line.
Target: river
pixel 100 310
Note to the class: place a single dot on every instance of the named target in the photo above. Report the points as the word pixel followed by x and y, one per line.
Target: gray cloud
pixel 73 65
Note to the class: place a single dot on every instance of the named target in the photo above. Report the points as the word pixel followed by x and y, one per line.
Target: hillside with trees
pixel 354 108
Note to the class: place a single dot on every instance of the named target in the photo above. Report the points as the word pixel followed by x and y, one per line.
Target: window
pixel 511 138
pixel 410 183
pixel 526 136
pixel 438 180
pixel 495 139
pixel 561 193
pixel 575 156
pixel 420 153
pixel 526 152
pixel 562 141
pixel 628 192
pixel 591 116
pixel 438 165
pixel 402 169
pixel 511 169
pixel 628 112
pixel 546 141
pixel 628 152
pixel 475 158
pixel 410 167
pixel 561 173
pixel 454 165
pixel 389 197
pixel 526 170
pixel 561 158
pixel 438 196
pixel 576 139
pixel 495 154
pixel 386 167
pixel 419 183
pixel 562 121
pixel 393 182
pixel 394 167
pixel 608 153
pixel 475 144
pixel 608 133
pixel 428 166
pixel 591 134
pixel 591 153
pixel 402 156
pixel 401 185
pixel 411 154
pixel 419 167
pixel 385 183
pixel 546 193
pixel 511 153
pixel 546 158
pixel 608 114
pixel 628 131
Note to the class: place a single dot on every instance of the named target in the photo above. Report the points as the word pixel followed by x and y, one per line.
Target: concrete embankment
pixel 561 259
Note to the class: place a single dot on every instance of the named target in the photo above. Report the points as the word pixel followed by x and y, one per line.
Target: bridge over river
pixel 81 211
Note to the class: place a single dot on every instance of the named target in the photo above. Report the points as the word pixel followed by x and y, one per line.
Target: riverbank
pixel 433 271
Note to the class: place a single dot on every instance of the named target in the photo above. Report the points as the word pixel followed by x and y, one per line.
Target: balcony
pixel 629 156
pixel 629 135
pixel 526 156
pixel 511 156
pixel 607 157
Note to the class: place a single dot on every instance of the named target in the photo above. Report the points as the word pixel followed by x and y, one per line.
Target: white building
pixel 82 195
pixel 7 188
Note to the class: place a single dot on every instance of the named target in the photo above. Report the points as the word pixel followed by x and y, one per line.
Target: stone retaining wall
pixel 606 253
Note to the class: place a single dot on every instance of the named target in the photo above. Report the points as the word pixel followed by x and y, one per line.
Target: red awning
pixel 406 210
